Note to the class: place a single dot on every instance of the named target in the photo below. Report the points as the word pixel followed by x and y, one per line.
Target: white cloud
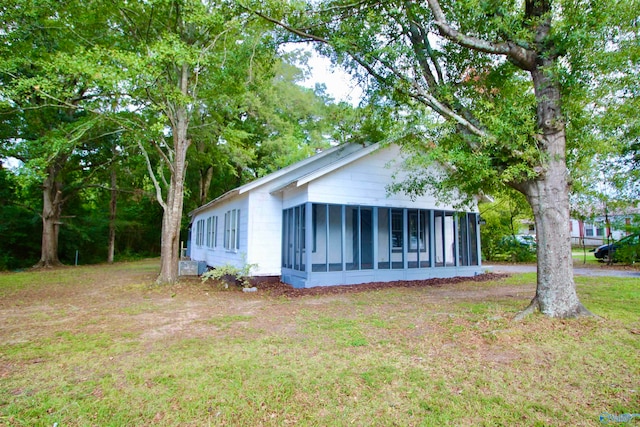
pixel 340 85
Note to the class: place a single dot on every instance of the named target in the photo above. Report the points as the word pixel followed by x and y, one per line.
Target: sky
pixel 339 83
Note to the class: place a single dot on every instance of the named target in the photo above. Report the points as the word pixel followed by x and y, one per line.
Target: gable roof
pixel 301 172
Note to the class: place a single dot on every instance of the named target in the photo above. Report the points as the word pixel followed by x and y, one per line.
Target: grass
pixel 103 346
pixel 584 259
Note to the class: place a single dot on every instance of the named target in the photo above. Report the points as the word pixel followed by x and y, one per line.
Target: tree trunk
pixel 548 196
pixel 206 176
pixel 172 217
pixel 170 246
pixel 51 212
pixel 112 217
pixel 555 292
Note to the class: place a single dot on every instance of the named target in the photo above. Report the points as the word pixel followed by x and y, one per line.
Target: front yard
pixel 102 345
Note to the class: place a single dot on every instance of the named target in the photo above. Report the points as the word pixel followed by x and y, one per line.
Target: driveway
pixel 577 270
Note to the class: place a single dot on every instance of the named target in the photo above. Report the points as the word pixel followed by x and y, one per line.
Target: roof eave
pixel 206 206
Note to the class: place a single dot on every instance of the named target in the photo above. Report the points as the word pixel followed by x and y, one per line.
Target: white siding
pixel 364 182
pixel 294 197
pixel 265 233
pixel 219 255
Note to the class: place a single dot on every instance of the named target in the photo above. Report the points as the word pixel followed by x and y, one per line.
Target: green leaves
pixel 396 48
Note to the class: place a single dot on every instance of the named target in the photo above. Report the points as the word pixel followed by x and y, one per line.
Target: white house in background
pixel 603 229
pixel 329 220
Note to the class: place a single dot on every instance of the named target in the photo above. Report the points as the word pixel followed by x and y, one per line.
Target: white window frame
pixel 200 232
pixel 589 231
pixel 232 230
pixel 208 232
pixel 212 232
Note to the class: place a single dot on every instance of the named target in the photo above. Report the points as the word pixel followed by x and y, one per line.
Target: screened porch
pixel 326 244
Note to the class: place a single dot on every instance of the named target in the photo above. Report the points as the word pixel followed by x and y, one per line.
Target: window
pixel 232 230
pixel 200 232
pixel 209 232
pixel 212 231
pixel 396 230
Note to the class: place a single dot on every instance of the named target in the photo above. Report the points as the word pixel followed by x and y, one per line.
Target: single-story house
pixel 329 220
pixel 602 229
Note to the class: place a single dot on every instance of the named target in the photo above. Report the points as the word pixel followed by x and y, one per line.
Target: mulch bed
pixel 274 287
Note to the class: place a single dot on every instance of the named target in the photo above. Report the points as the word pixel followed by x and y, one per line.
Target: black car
pixel 629 245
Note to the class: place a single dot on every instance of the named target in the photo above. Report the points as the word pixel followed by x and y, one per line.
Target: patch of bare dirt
pixel 124 298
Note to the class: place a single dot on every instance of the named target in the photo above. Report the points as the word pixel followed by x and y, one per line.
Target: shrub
pixel 509 248
pixel 627 254
pixel 223 273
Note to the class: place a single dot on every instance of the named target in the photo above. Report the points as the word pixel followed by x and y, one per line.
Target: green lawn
pixel 103 346
pixel 584 258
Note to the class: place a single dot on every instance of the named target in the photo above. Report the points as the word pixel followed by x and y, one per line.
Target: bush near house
pixel 515 249
pixel 502 222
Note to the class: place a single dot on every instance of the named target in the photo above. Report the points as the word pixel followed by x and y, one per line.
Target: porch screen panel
pixel 299 238
pixel 335 238
pixel 319 235
pixel 463 240
pixel 352 238
pixel 290 242
pixel 449 239
pixel 366 238
pixel 438 235
pixel 302 240
pixel 414 238
pixel 423 226
pixel 296 238
pixel 473 238
pixel 384 239
pixel 285 239
pixel 397 240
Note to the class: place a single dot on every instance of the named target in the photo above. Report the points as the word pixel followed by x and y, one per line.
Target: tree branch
pixel 289 28
pixel 156 184
pixel 445 111
pixel 119 190
pixel 422 96
pixel 163 156
pixel 418 42
pixel 520 56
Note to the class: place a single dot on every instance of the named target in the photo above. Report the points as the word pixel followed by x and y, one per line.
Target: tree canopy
pixel 111 102
pixel 500 93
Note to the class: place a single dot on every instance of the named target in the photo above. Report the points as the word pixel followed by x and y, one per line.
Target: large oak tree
pixel 489 89
pixel 47 95
pixel 175 57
